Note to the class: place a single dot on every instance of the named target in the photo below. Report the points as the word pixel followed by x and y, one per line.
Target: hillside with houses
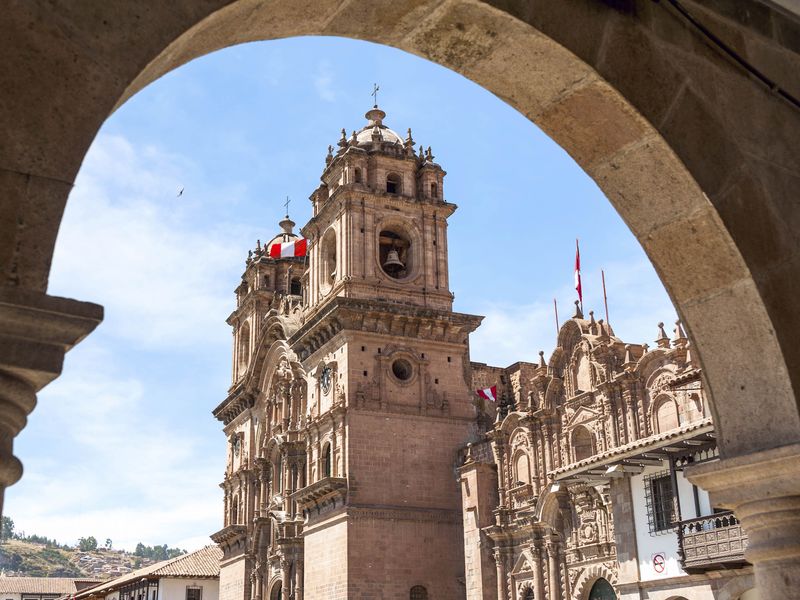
pixel 24 555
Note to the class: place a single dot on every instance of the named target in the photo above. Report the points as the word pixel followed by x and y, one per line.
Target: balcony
pixel 713 542
pixel 521 496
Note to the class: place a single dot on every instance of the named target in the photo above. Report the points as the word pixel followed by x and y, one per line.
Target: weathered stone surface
pixel 66 67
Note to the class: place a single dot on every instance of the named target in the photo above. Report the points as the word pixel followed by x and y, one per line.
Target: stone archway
pixel 696 156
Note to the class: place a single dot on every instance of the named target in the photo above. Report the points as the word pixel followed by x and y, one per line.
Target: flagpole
pixel 555 306
pixel 578 284
pixel 605 297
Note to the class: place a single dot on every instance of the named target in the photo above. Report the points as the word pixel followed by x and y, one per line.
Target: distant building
pixel 193 576
pixel 42 588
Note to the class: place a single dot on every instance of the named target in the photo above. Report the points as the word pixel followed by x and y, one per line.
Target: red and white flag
pixel 578 272
pixel 288 249
pixel 489 393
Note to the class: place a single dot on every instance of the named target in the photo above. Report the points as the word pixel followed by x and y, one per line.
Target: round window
pixel 401 369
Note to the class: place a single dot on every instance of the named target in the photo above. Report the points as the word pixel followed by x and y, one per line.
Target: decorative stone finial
pixel 602 329
pixel 409 139
pixel 287 225
pixel 377 134
pixel 258 245
pixel 429 155
pixel 680 335
pixel 645 348
pixel 689 355
pixel 468 458
pixel 343 139
pixel 628 356
pixel 542 363
pixel 329 158
pixel 662 340
pixel 375 116
pixel 578 312
pixel 354 138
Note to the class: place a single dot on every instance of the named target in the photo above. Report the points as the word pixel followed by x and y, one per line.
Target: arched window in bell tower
pixel 328 261
pixel 434 190
pixel 395 252
pixel 358 176
pixel 235 512
pixel 244 348
pixel 394 184
pixel 326 462
pixel 296 288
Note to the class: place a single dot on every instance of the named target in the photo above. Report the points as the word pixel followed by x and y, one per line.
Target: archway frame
pixel 680 139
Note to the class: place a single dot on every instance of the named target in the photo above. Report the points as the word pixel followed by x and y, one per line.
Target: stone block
pixel 592 123
pixel 30 211
pixel 745 387
pixel 694 256
pixel 648 185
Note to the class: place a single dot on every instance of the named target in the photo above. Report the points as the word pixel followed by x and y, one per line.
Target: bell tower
pixel 387 365
pixel 379 222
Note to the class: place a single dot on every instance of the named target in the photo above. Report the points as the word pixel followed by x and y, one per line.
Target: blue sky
pixel 123 445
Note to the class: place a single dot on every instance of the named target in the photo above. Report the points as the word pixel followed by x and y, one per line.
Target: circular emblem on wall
pixel 325 379
pixel 659 562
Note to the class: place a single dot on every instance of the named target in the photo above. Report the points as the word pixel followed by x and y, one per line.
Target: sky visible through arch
pixel 123 445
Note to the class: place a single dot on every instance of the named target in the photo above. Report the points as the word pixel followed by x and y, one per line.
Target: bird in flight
pixel 180 193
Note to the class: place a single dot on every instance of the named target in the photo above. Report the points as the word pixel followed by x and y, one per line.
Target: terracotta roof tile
pixel 42 585
pixel 203 563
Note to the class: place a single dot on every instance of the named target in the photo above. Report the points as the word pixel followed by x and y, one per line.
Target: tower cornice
pixel 373 316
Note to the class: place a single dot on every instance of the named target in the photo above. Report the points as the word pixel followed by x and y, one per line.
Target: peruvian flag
pixel 578 272
pixel 489 393
pixel 288 249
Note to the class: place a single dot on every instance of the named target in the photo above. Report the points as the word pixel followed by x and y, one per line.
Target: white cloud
pixel 117 447
pixel 323 82
pixel 129 243
pixel 123 471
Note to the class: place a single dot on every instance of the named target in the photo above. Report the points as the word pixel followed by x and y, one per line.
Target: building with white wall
pixel 193 576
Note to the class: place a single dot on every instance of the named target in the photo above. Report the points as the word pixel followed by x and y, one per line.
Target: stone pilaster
pixel 553 571
pixel 763 489
pixel 36 330
pixel 538 572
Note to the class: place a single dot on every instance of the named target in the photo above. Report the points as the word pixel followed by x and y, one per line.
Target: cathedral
pixel 361 463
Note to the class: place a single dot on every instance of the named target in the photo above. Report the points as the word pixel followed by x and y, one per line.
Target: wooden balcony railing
pixel 712 542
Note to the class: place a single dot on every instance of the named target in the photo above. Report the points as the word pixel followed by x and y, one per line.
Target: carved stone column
pixel 553 571
pixel 538 572
pixel 763 489
pixel 36 330
pixel 298 577
pixel 285 580
pixel 501 574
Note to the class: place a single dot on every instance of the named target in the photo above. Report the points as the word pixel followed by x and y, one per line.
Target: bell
pixel 393 265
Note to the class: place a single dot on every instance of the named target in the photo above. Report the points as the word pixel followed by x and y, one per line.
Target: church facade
pixel 361 463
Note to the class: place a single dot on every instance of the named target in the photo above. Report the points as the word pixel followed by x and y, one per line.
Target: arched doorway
pixel 602 590
pixel 671 137
pixel 277 591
